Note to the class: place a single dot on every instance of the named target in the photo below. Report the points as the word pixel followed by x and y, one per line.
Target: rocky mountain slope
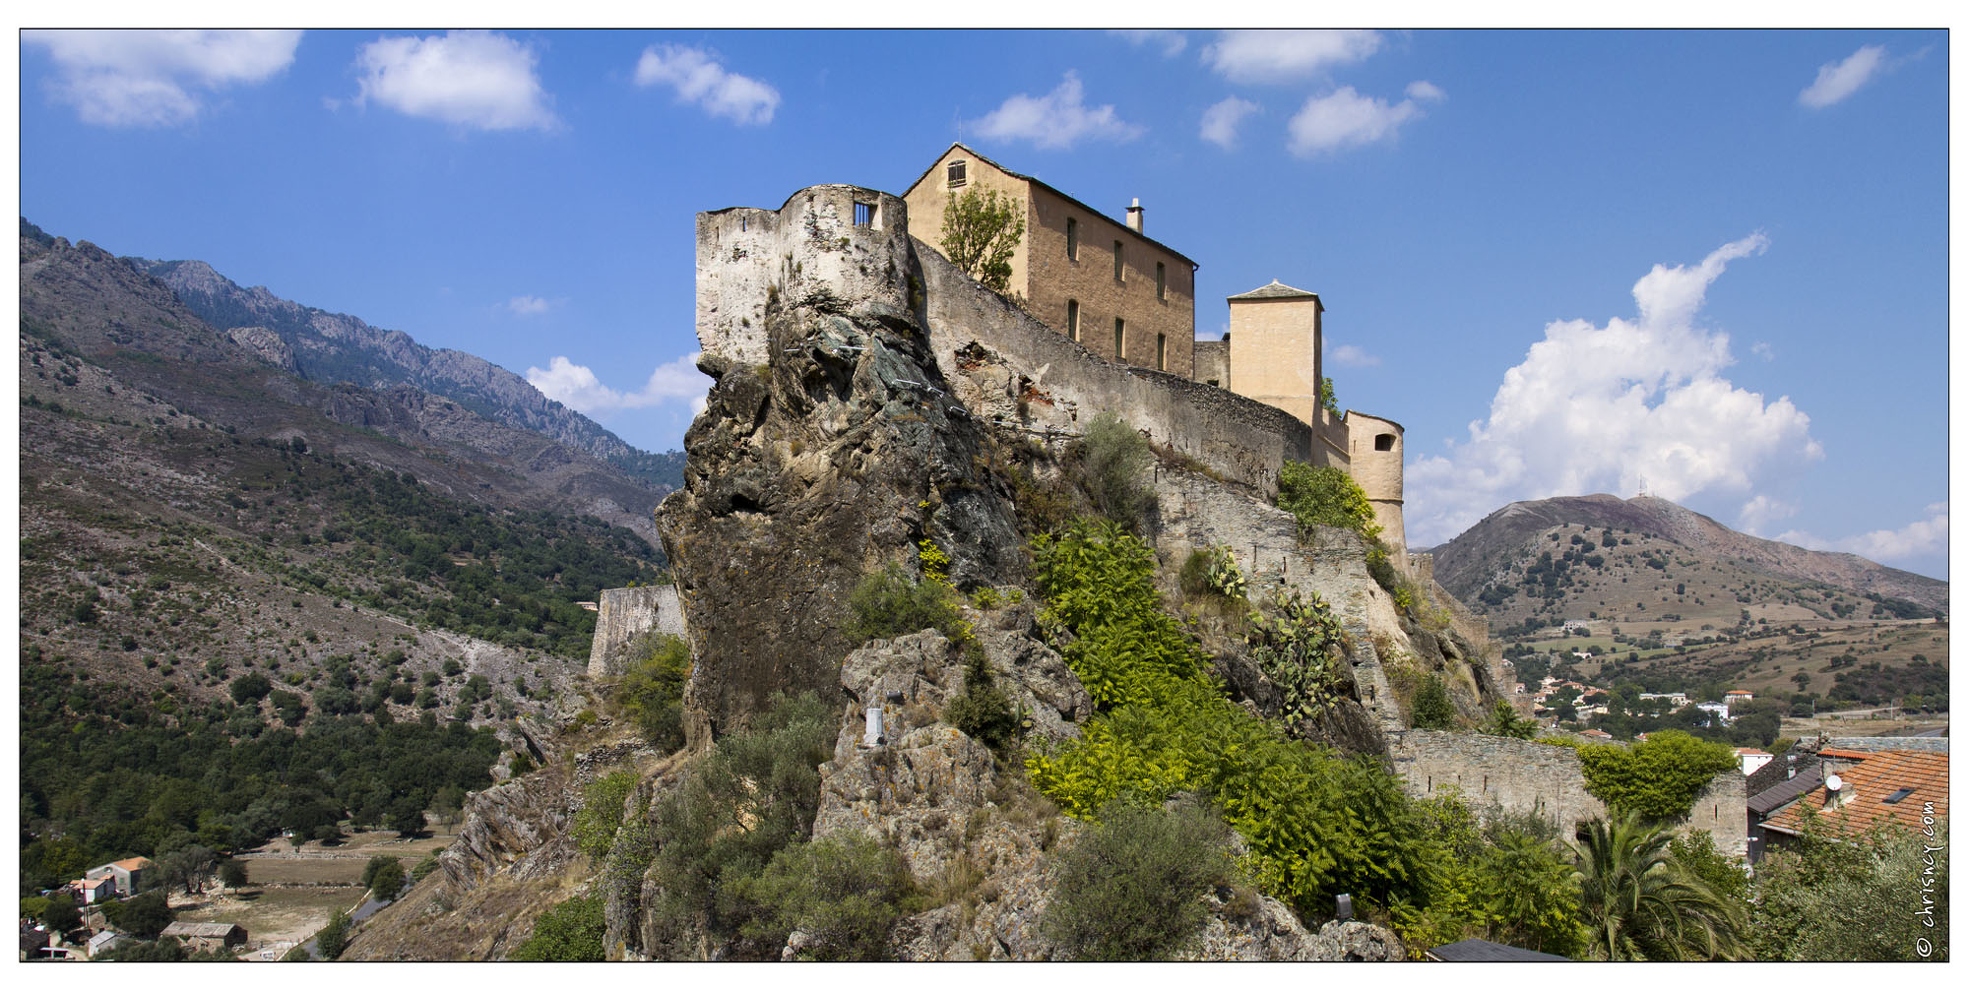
pixel 331 348
pixel 1486 551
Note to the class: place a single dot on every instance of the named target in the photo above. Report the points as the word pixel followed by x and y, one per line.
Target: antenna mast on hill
pixel 1644 487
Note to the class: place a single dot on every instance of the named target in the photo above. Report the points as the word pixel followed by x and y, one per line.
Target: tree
pixel 232 872
pixel 407 817
pixel 1505 721
pixel 1657 780
pixel 1113 457
pixel 1882 895
pixel 333 937
pixel 61 915
pixel 383 876
pixel 1643 904
pixel 187 866
pixel 146 915
pixel 1431 707
pixel 843 892
pixel 980 232
pixel 1328 401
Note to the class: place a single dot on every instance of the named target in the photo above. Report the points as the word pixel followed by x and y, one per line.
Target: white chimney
pixel 1135 216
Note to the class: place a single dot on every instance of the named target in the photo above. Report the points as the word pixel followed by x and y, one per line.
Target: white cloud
pixel 1282 56
pixel 1839 80
pixel 577 387
pixel 1056 120
pixel 1172 43
pixel 527 306
pixel 698 78
pixel 1345 119
pixel 468 78
pixel 157 78
pixel 1596 409
pixel 1349 356
pixel 1762 349
pixel 1763 510
pixel 1426 91
pixel 1221 120
pixel 1918 539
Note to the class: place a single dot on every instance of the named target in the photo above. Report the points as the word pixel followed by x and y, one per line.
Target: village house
pixel 131 874
pixel 1906 787
pixel 1752 758
pixel 207 937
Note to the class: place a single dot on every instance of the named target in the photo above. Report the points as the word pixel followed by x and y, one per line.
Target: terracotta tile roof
pixel 1911 778
pixel 133 863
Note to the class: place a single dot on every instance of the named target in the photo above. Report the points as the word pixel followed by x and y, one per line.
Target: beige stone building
pixel 1103 283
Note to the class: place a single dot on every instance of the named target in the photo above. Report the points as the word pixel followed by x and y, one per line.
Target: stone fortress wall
pixel 623 614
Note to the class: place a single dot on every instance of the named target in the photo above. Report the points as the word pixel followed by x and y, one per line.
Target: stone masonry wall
pixel 1016 372
pixel 624 615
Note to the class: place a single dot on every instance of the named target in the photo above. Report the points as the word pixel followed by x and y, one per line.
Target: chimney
pixel 1135 216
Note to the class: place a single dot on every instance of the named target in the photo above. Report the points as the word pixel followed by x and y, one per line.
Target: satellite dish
pixel 1833 782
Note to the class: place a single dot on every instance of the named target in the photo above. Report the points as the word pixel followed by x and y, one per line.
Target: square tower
pixel 1275 349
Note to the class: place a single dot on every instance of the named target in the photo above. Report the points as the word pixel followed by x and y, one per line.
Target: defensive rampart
pixel 627 613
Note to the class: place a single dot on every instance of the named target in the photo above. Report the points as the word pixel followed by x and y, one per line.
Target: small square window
pixel 1384 442
pixel 864 214
pixel 955 174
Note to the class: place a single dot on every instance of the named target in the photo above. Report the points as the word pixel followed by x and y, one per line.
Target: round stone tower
pixel 1375 461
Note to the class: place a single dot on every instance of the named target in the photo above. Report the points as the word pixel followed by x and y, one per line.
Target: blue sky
pixel 1710 262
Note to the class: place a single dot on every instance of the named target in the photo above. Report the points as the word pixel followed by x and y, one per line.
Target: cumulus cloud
pixel 469 78
pixel 698 78
pixel 1918 539
pixel 1426 91
pixel 527 306
pixel 1346 119
pixel 1172 43
pixel 1595 409
pixel 157 78
pixel 1839 80
pixel 1283 56
pixel 576 387
pixel 1221 120
pixel 1056 120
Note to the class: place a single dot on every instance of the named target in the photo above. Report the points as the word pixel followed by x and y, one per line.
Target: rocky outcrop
pixel 829 447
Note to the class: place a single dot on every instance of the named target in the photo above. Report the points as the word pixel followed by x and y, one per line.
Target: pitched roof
pixel 1786 791
pixel 1277 290
pixel 1041 183
pixel 132 863
pixel 1886 786
pixel 1483 950
pixel 219 929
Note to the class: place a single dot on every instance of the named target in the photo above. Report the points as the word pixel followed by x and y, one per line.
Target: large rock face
pixel 829 447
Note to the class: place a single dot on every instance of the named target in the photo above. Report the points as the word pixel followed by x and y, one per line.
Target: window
pixel 1162 353
pixel 1073 239
pixel 864 214
pixel 955 174
pixel 1895 798
pixel 1073 320
pixel 1161 281
pixel 1120 340
pixel 1117 261
pixel 1384 442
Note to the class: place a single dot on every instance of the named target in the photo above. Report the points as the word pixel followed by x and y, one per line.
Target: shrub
pixel 1132 888
pixel 601 813
pixel 1656 781
pixel 1297 650
pixel 651 689
pixel 383 876
pixel 1112 458
pixel 697 864
pixel 1431 708
pixel 570 931
pixel 981 710
pixel 250 688
pixel 844 892
pixel 889 603
pixel 1325 497
pixel 1505 721
pixel 333 937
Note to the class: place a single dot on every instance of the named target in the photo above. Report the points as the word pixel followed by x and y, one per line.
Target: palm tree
pixel 1643 905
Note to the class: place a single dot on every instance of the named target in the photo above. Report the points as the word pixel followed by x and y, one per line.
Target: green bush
pixel 601 813
pixel 698 860
pixel 1112 458
pixel 1298 649
pixel 981 710
pixel 570 931
pixel 1325 497
pixel 383 876
pixel 844 892
pixel 889 603
pixel 1656 781
pixel 651 689
pixel 1505 721
pixel 333 937
pixel 1431 708
pixel 1132 888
